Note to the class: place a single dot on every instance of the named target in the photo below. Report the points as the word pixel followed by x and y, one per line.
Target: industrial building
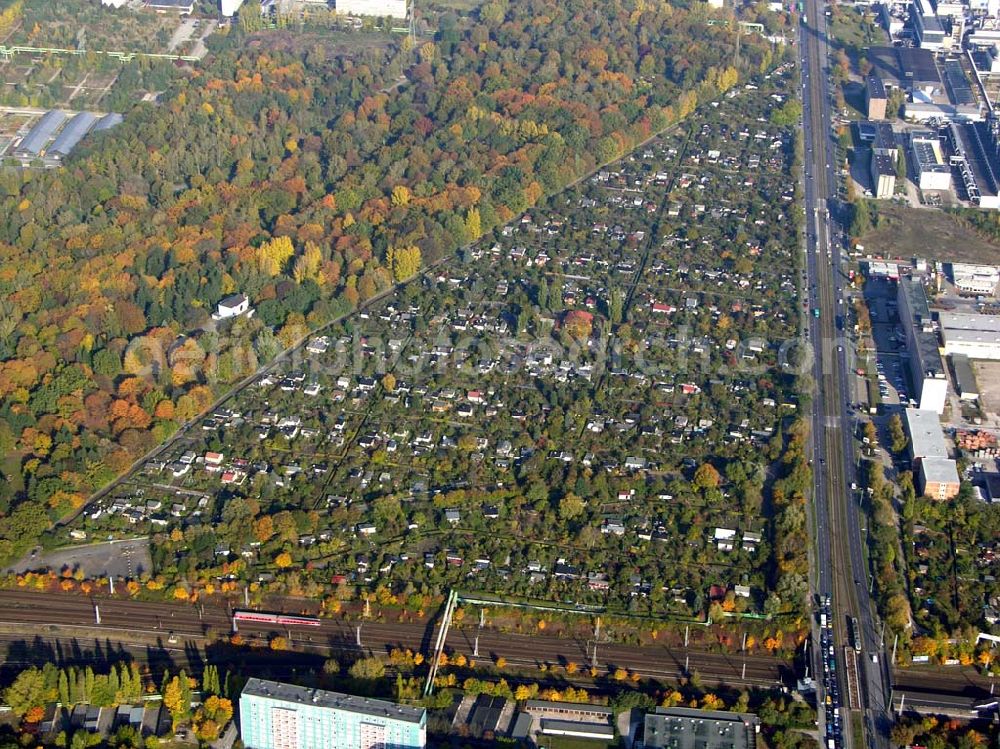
pixel 938 478
pixel 72 134
pixel 929 167
pixel 955 100
pixel 883 173
pixel 965 377
pixel 282 716
pixel 925 433
pixel 927 27
pixel 33 144
pixel 975 335
pixel 876 98
pixel 938 90
pixel 974 279
pixel 987 59
pixel 880 269
pixel 892 20
pixel 879 136
pixel 688 728
pixel 928 372
pixel 976 155
pixel 379 8
pixel 571 720
pixel 906 68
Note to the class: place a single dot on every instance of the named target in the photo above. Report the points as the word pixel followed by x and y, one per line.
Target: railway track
pixel 125 620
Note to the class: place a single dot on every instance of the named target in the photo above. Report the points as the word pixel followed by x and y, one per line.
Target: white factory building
pixel 933 173
pixel 974 335
pixel 974 279
pixel 378 8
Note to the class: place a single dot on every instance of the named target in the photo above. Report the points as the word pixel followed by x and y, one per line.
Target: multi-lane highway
pixel 52 615
pixel 851 680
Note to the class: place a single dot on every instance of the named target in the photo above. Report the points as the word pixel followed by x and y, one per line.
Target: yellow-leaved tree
pixel 273 255
pixel 307 264
pixel 473 225
pixel 400 195
pixel 404 262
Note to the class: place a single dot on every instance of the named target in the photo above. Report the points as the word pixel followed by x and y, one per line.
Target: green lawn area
pixel 851 31
pixel 461 6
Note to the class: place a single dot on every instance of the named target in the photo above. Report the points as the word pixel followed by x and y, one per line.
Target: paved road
pixel 842 574
pixel 137 621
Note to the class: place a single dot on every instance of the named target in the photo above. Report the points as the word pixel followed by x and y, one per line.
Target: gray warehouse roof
pixel 35 140
pixel 916 299
pixel 686 728
pixel 320 697
pixel 939 470
pixel 929 354
pixel 72 134
pixel 965 378
pixel 969 321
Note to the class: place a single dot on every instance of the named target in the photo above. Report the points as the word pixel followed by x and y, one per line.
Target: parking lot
pixel 890 343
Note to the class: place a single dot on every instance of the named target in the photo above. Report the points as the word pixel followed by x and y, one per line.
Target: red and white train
pixel 285 620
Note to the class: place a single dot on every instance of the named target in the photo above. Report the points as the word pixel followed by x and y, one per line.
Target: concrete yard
pixel 118 558
pixel 988 380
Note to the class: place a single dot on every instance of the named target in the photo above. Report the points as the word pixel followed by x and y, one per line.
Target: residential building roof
pixel 234 301
pixel 275 690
